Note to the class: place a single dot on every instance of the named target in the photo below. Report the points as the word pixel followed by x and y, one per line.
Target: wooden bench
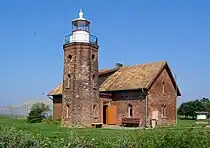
pixel 97 125
pixel 130 121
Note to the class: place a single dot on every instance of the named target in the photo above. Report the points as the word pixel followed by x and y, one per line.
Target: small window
pixel 163 88
pixel 70 57
pixel 164 110
pixel 130 111
pixel 68 81
pixel 67 110
pixel 93 82
pixel 93 56
pixel 94 111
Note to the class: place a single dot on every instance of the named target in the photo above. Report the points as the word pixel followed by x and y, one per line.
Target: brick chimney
pixel 118 65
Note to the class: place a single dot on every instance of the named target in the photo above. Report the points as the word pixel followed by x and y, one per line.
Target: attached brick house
pixel 124 90
pixel 88 95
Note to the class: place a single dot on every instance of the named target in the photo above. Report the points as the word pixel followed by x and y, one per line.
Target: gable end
pixel 153 80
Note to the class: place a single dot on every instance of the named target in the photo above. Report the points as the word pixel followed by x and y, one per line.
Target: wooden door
pixel 111 114
pixel 155 114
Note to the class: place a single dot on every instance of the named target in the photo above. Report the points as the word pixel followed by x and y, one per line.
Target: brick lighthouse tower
pixel 80 102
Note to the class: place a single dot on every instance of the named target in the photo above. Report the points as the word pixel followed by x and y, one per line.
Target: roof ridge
pixel 128 66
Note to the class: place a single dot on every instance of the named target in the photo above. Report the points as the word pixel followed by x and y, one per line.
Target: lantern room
pixel 81 31
pixel 80 24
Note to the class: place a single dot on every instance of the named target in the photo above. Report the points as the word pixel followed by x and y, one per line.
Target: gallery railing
pixel 90 39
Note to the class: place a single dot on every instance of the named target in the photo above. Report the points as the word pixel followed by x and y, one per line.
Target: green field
pixel 52 135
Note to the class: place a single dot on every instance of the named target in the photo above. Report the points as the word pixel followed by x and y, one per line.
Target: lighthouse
pixel 80 102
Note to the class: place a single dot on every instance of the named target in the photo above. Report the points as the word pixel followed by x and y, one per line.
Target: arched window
pixel 70 57
pixel 130 111
pixel 164 110
pixel 93 57
pixel 67 110
pixel 94 111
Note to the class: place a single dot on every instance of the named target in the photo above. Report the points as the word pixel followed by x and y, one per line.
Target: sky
pixel 130 32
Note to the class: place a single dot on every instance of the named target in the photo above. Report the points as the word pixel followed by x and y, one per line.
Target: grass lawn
pixel 55 131
pixel 112 137
pixel 189 123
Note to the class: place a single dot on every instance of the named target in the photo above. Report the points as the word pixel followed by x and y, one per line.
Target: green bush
pixel 49 120
pixel 11 137
pixel 38 113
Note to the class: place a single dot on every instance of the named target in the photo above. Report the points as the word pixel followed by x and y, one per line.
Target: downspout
pixel 146 107
pixel 176 96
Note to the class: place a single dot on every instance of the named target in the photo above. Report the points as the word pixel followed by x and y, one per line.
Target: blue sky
pixel 130 32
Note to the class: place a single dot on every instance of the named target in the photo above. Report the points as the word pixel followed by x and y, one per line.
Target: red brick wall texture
pixel 80 85
pixel 159 97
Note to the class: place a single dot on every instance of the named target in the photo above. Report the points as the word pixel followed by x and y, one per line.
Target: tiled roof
pixel 56 91
pixel 59 88
pixel 126 77
pixel 132 77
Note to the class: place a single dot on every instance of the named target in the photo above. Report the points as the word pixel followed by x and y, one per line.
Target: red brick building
pixel 88 95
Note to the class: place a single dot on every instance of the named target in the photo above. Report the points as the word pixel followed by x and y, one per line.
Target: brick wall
pixel 57 107
pixel 156 100
pixel 134 98
pixel 80 87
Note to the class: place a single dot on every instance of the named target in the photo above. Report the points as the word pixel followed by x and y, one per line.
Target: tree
pixel 38 112
pixel 189 108
pixel 206 104
pixel 205 100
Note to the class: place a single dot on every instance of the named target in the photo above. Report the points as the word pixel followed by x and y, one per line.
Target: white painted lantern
pixel 80 29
